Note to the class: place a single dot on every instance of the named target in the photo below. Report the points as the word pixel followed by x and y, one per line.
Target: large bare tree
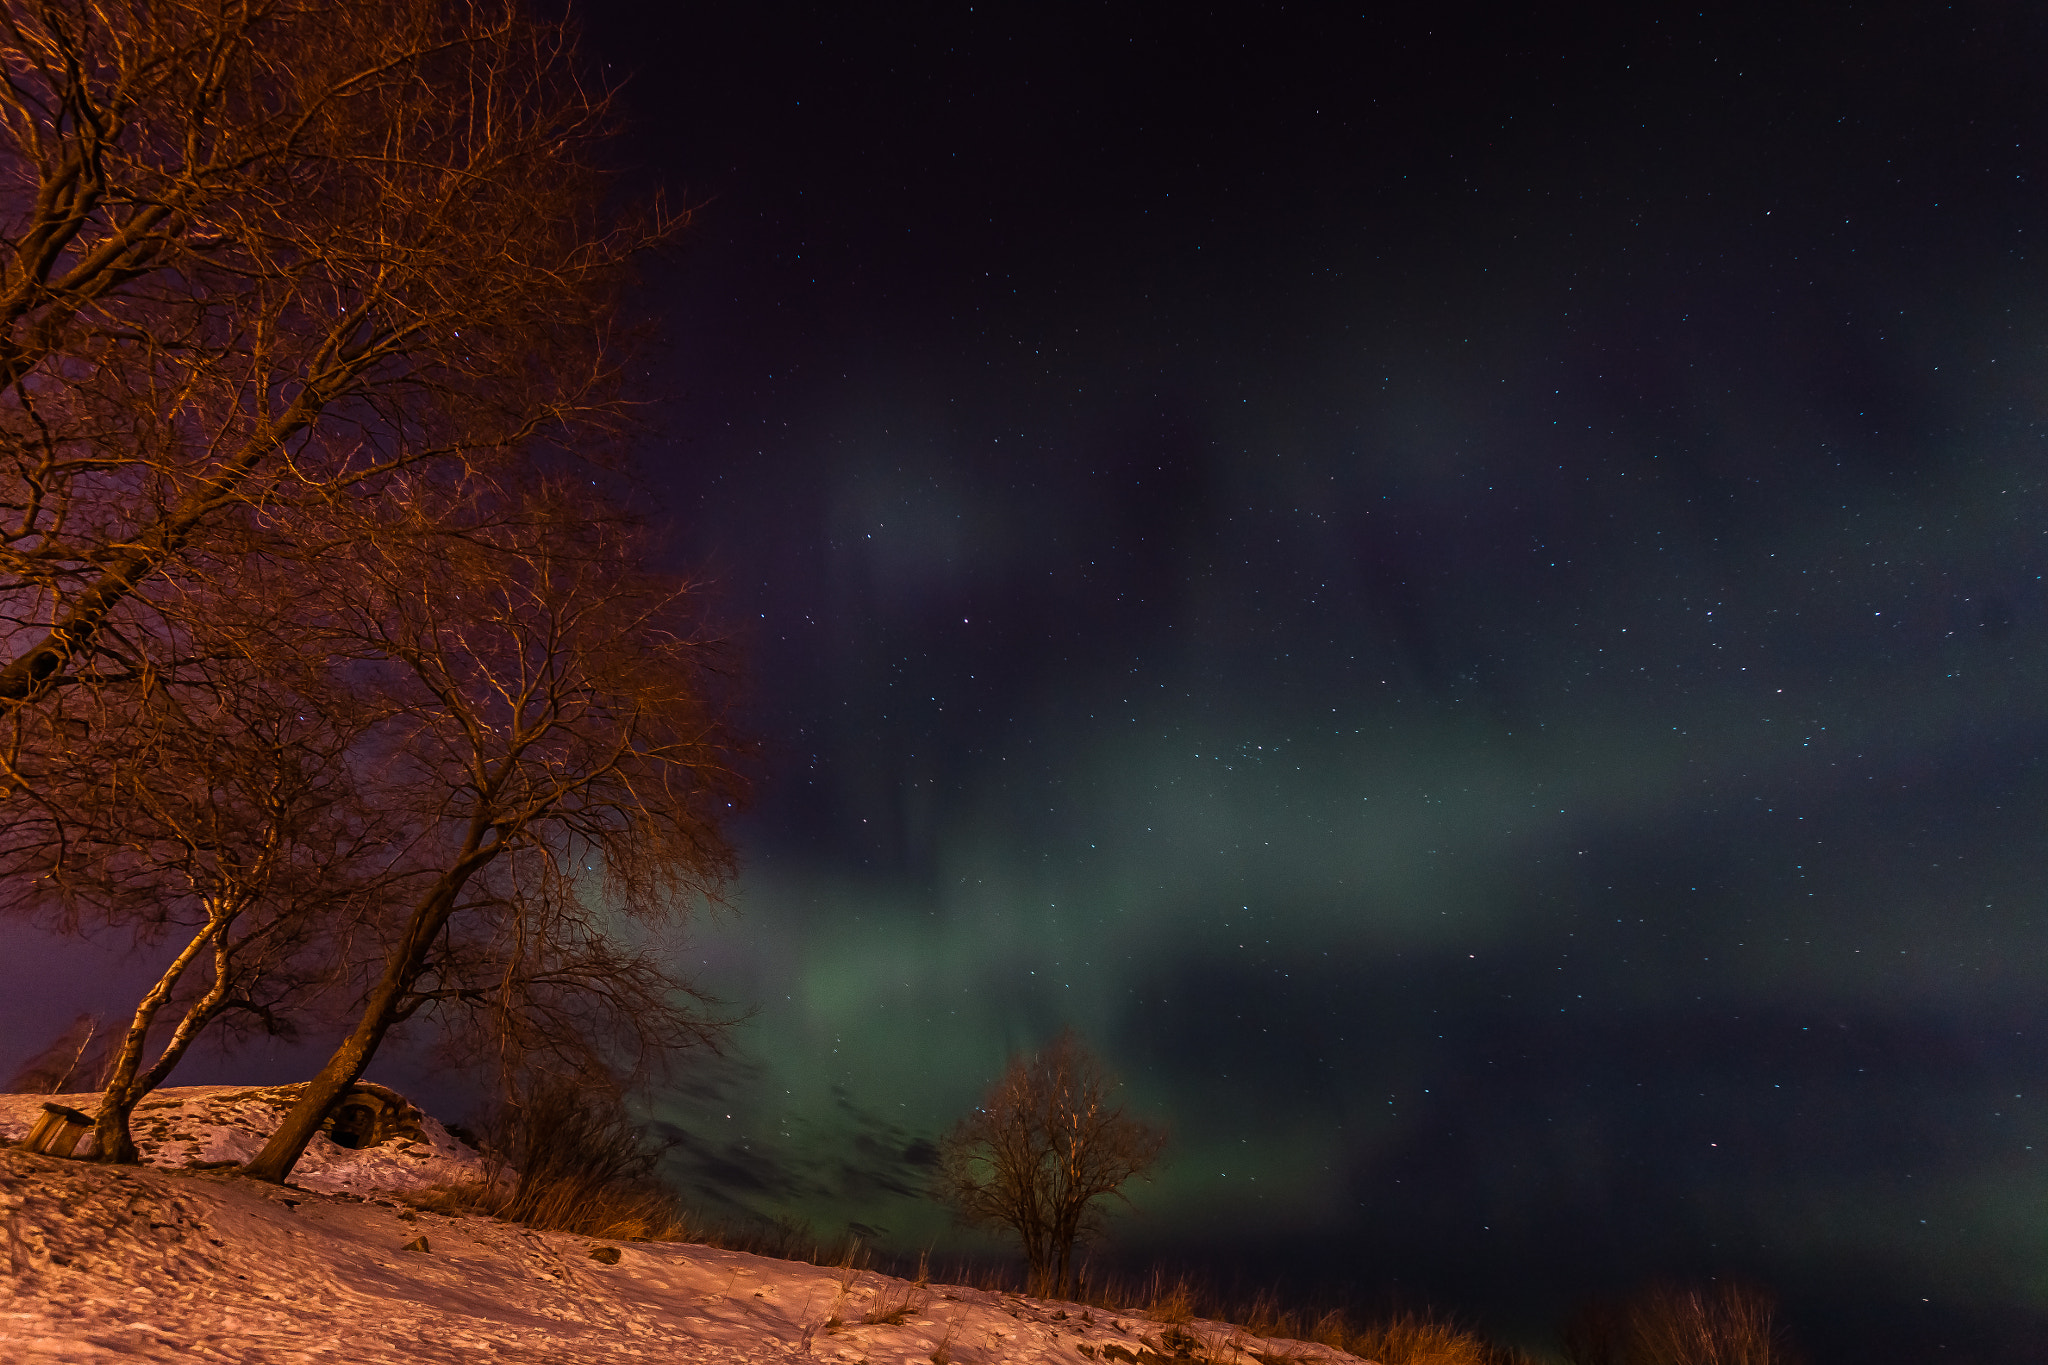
pixel 566 773
pixel 263 254
pixel 1048 1143
pixel 291 292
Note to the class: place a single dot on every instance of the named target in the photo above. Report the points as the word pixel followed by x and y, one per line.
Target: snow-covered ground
pixel 148 1263
pixel 196 1125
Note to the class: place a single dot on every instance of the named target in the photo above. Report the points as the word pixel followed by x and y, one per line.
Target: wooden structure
pixel 57 1130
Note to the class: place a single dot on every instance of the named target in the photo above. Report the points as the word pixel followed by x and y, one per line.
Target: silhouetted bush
pixel 1678 1325
pixel 572 1160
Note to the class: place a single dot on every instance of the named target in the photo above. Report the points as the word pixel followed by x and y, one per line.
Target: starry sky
pixel 1459 590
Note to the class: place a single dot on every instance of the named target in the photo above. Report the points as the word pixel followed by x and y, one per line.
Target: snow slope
pixel 196 1125
pixel 135 1264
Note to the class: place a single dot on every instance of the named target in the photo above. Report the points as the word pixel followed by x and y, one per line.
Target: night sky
pixel 1458 589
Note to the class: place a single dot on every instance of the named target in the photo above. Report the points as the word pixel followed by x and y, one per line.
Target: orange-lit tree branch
pixel 564 771
pixel 257 255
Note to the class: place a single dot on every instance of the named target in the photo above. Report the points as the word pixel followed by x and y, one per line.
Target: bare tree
pixel 279 861
pixel 259 255
pixel 226 818
pixel 565 773
pixel 79 1054
pixel 1046 1146
pixel 291 290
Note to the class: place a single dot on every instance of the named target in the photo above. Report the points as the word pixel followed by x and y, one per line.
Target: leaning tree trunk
pixel 288 1143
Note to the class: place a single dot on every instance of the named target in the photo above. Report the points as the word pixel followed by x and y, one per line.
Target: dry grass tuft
pixel 1414 1339
pixel 1724 1325
pixel 1678 1325
pixel 1173 1304
pixel 895 1309
pixel 1331 1329
pixel 1184 1342
pixel 848 1277
pixel 1265 1317
pixel 618 1215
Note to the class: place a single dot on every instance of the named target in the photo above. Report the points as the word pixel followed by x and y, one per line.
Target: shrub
pixel 1413 1339
pixel 575 1162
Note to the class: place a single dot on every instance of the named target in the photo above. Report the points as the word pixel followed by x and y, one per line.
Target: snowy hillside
pixel 211 1125
pixel 146 1264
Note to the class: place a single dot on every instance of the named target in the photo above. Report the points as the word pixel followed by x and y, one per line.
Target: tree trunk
pixel 288 1143
pixel 1038 1251
pixel 196 1018
pixel 110 1126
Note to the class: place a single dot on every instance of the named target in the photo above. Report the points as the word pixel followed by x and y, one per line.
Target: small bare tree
pixel 1046 1146
pixel 565 773
pixel 77 1056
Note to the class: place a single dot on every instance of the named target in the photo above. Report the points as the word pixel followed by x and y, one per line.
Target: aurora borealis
pixel 1462 595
